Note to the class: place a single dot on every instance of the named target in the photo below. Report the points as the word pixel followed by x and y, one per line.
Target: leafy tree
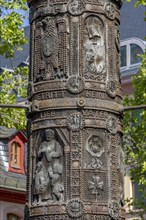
pixel 11 31
pixel 138 2
pixel 13 85
pixel 135 134
pixel 11 39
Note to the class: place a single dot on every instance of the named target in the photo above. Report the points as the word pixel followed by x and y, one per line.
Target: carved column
pixel 75 122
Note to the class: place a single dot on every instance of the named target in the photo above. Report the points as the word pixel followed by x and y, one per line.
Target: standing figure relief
pixel 50 49
pixel 94 46
pixel 48 178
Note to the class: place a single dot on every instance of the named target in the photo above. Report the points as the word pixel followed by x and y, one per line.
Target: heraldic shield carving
pixel 75 168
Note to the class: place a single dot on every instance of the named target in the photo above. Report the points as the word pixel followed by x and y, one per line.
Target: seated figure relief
pixel 94 47
pixel 48 178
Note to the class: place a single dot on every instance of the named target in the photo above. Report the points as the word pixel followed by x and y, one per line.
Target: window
pixel 15 154
pixel 135 50
pixel 12 217
pixel 123 56
pixel 138 196
pixel 130 50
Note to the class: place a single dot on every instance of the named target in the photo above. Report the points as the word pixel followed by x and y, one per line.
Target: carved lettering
pixel 50 95
pixel 95 95
pixel 47 114
pixel 94 114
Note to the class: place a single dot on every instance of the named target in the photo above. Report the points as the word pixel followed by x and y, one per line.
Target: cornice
pixel 118 1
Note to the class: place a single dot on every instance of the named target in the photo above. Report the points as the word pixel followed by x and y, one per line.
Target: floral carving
pixel 96 185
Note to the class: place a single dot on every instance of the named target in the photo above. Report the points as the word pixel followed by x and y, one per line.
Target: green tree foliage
pixel 13 85
pixel 11 39
pixel 138 2
pixel 11 31
pixel 135 131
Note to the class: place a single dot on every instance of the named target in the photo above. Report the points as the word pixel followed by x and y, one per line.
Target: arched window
pixel 16 147
pixel 130 50
pixel 135 50
pixel 11 216
pixel 15 154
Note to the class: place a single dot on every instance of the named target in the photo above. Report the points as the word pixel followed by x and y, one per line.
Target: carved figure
pixel 41 183
pixel 51 155
pixel 49 46
pixel 94 47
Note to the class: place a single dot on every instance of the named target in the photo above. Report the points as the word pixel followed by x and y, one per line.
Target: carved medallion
pixel 75 84
pixel 114 210
pixel 76 7
pixel 110 10
pixel 95 146
pixel 75 121
pixel 75 208
pixel 111 124
pixel 111 88
pixel 81 102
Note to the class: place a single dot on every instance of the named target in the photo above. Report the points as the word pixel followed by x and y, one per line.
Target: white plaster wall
pixel 14 208
pixel 129 194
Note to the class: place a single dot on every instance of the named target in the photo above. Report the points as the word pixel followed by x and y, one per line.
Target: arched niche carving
pixel 94 47
pixel 48 178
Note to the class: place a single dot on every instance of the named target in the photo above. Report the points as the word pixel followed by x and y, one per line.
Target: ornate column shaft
pixel 75 122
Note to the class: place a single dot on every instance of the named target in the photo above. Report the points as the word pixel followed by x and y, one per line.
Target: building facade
pixel 12 174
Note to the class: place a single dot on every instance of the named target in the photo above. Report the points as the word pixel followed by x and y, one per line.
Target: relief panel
pixel 51 50
pixel 95 186
pixel 48 179
pixel 94 48
pixel 94 151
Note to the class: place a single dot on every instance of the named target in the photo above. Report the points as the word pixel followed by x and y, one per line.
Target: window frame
pixel 127 43
pixel 15 153
pixel 11 215
pixel 13 167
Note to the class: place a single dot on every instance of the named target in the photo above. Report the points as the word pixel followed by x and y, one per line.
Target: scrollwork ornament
pixel 75 84
pixel 117 36
pixel 75 208
pixel 114 210
pixel 111 88
pixel 110 11
pixel 75 121
pixel 111 125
